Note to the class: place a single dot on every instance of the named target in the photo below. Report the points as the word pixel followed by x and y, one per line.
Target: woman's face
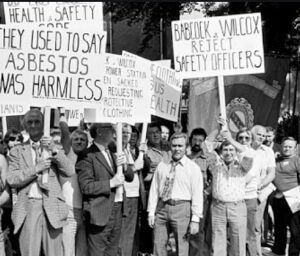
pixel 14 139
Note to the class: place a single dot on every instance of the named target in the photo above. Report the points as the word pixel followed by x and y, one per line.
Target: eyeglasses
pixel 12 138
pixel 247 138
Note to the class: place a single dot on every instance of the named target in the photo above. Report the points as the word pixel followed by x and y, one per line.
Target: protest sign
pixel 125 92
pixel 165 89
pixel 57 68
pixel 218 46
pixel 74 116
pixel 166 63
pixel 66 15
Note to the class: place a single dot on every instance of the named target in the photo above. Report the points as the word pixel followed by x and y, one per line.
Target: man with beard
pixel 198 242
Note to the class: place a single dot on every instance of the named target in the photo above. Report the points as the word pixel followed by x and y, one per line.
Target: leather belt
pixel 173 202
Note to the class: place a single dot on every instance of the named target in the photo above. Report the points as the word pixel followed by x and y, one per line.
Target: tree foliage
pixel 281 20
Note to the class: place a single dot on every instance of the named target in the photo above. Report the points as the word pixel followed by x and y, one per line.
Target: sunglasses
pixel 12 138
pixel 247 138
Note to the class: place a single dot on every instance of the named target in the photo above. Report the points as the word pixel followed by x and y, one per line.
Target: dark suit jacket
pixel 22 174
pixel 94 174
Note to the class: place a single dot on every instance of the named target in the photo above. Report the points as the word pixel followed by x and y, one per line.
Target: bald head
pixel 258 135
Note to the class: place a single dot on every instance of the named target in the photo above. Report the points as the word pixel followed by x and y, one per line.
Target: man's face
pixel 154 135
pixel 244 138
pixel 126 134
pixel 269 138
pixel 34 125
pixel 178 147
pixel 288 148
pixel 259 136
pixel 165 133
pixel 106 133
pixel 196 143
pixel 79 143
pixel 228 153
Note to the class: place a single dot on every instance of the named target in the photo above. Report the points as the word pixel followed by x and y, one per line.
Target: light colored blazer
pixel 21 174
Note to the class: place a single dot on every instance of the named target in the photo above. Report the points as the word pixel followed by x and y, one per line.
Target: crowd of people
pixel 73 193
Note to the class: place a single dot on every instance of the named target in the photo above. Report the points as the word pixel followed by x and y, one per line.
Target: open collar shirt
pixel 229 181
pixel 188 185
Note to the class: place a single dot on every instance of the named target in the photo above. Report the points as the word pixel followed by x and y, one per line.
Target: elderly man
pixel 266 159
pixel 40 211
pixel 103 203
pixel 175 199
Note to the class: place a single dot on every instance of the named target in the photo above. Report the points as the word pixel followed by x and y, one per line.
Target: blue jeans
pixel 251 218
pixel 169 219
pixel 233 214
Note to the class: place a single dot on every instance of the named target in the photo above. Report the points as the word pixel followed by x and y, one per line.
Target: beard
pixel 196 148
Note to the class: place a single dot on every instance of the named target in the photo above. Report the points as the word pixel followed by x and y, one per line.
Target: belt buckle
pixel 172 202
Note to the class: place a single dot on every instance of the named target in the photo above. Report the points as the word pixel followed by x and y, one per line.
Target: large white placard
pixel 218 46
pixel 55 14
pixel 125 92
pixel 57 68
pixel 165 89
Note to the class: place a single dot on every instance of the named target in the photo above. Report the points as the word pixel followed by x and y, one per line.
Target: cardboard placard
pixel 165 89
pixel 125 92
pixel 60 15
pixel 57 68
pixel 218 46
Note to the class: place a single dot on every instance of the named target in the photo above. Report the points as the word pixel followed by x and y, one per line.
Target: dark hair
pixel 153 125
pixel 135 130
pixel 271 129
pixel 198 131
pixel 95 126
pixel 289 138
pixel 11 132
pixel 224 144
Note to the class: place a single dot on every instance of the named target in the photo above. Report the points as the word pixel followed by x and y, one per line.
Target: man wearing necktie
pixel 98 180
pixel 176 199
pixel 40 211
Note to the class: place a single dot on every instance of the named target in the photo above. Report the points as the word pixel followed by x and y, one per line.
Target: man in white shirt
pixel 267 164
pixel 176 198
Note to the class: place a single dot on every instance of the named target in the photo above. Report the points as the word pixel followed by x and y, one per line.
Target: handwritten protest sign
pixel 223 45
pixel 55 14
pixel 165 89
pixel 166 63
pixel 125 92
pixel 54 68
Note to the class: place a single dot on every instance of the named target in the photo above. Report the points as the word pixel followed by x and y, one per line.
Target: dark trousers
pixel 129 224
pixel 200 243
pixel 104 241
pixel 282 218
pixel 146 234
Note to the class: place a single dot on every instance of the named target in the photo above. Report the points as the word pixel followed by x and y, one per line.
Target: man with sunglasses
pixel 244 137
pixel 259 177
